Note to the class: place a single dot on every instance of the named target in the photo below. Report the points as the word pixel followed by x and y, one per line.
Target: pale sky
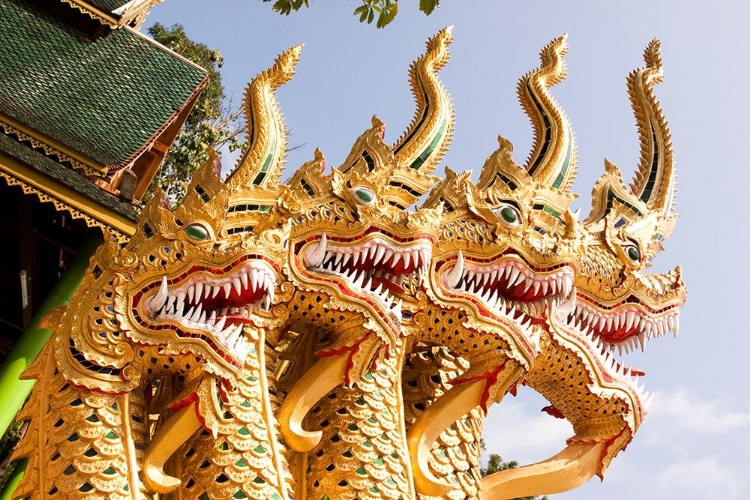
pixel 695 443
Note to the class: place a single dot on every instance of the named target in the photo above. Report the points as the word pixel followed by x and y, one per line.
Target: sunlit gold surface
pixel 376 337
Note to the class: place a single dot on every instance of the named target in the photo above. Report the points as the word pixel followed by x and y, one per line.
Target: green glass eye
pixel 363 195
pixel 196 232
pixel 508 215
pixel 633 253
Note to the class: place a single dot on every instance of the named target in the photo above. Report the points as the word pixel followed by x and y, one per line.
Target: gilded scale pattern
pixel 317 339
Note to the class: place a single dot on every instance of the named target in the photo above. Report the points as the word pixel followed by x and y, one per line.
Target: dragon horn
pixel 322 378
pixel 440 415
pixel 426 139
pixel 552 160
pixel 167 440
pixel 654 181
pixel 567 470
pixel 265 135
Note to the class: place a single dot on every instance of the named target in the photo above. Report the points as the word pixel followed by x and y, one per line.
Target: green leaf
pixel 428 6
pixel 391 14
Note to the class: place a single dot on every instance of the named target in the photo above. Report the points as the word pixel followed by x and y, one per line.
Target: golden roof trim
pixel 88 166
pixel 16 173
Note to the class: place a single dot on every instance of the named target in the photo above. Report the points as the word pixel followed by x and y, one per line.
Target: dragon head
pixel 355 248
pixel 207 273
pixel 617 306
pixel 497 267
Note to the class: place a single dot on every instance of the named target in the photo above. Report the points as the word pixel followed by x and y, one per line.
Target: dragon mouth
pixel 609 370
pixel 219 301
pixel 626 326
pixel 378 267
pixel 510 283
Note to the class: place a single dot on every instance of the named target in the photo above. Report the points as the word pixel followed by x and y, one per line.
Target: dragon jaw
pixel 509 282
pixel 626 326
pixel 210 302
pixel 375 264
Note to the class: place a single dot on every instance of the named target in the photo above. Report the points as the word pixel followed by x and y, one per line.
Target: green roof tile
pixel 104 99
pixel 64 175
pixel 107 5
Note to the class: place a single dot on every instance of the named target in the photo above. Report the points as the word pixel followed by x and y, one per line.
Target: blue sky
pixel 695 443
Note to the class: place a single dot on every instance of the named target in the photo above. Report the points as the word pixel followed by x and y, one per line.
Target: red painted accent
pixel 352 350
pixel 192 398
pixel 490 380
pixel 607 444
pixel 551 410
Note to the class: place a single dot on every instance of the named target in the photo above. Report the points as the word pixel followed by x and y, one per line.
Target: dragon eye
pixel 508 215
pixel 363 195
pixel 196 232
pixel 633 253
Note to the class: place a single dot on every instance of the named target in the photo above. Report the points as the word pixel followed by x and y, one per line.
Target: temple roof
pixel 106 99
pixel 64 175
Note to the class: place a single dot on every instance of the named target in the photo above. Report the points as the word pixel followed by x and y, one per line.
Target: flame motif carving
pixel 321 338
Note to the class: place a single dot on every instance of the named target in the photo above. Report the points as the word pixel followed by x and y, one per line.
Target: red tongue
pixel 234 300
pixel 387 284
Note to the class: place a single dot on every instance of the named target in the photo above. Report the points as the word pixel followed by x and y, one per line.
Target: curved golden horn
pixel 265 135
pixel 654 181
pixel 567 470
pixel 426 139
pixel 167 440
pixel 446 410
pixel 552 160
pixel 322 378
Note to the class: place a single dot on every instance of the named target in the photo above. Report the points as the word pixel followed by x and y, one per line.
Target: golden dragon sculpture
pixel 318 338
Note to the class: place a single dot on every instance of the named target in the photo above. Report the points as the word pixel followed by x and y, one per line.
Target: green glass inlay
pixel 241 463
pixel 90 453
pixel 566 164
pixel 85 488
pixel 367 444
pixel 419 161
pixel 243 431
pixel 361 471
pixel 109 471
pixel 73 437
pixel 259 449
pixel 196 232
pixel 269 158
pixel 241 494
pixel 112 435
pixel 69 470
pixel 379 462
pixel 611 197
pixel 654 169
pixel 373 489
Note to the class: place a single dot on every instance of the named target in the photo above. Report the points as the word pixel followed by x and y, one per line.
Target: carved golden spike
pixel 552 160
pixel 426 139
pixel 654 181
pixel 265 134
